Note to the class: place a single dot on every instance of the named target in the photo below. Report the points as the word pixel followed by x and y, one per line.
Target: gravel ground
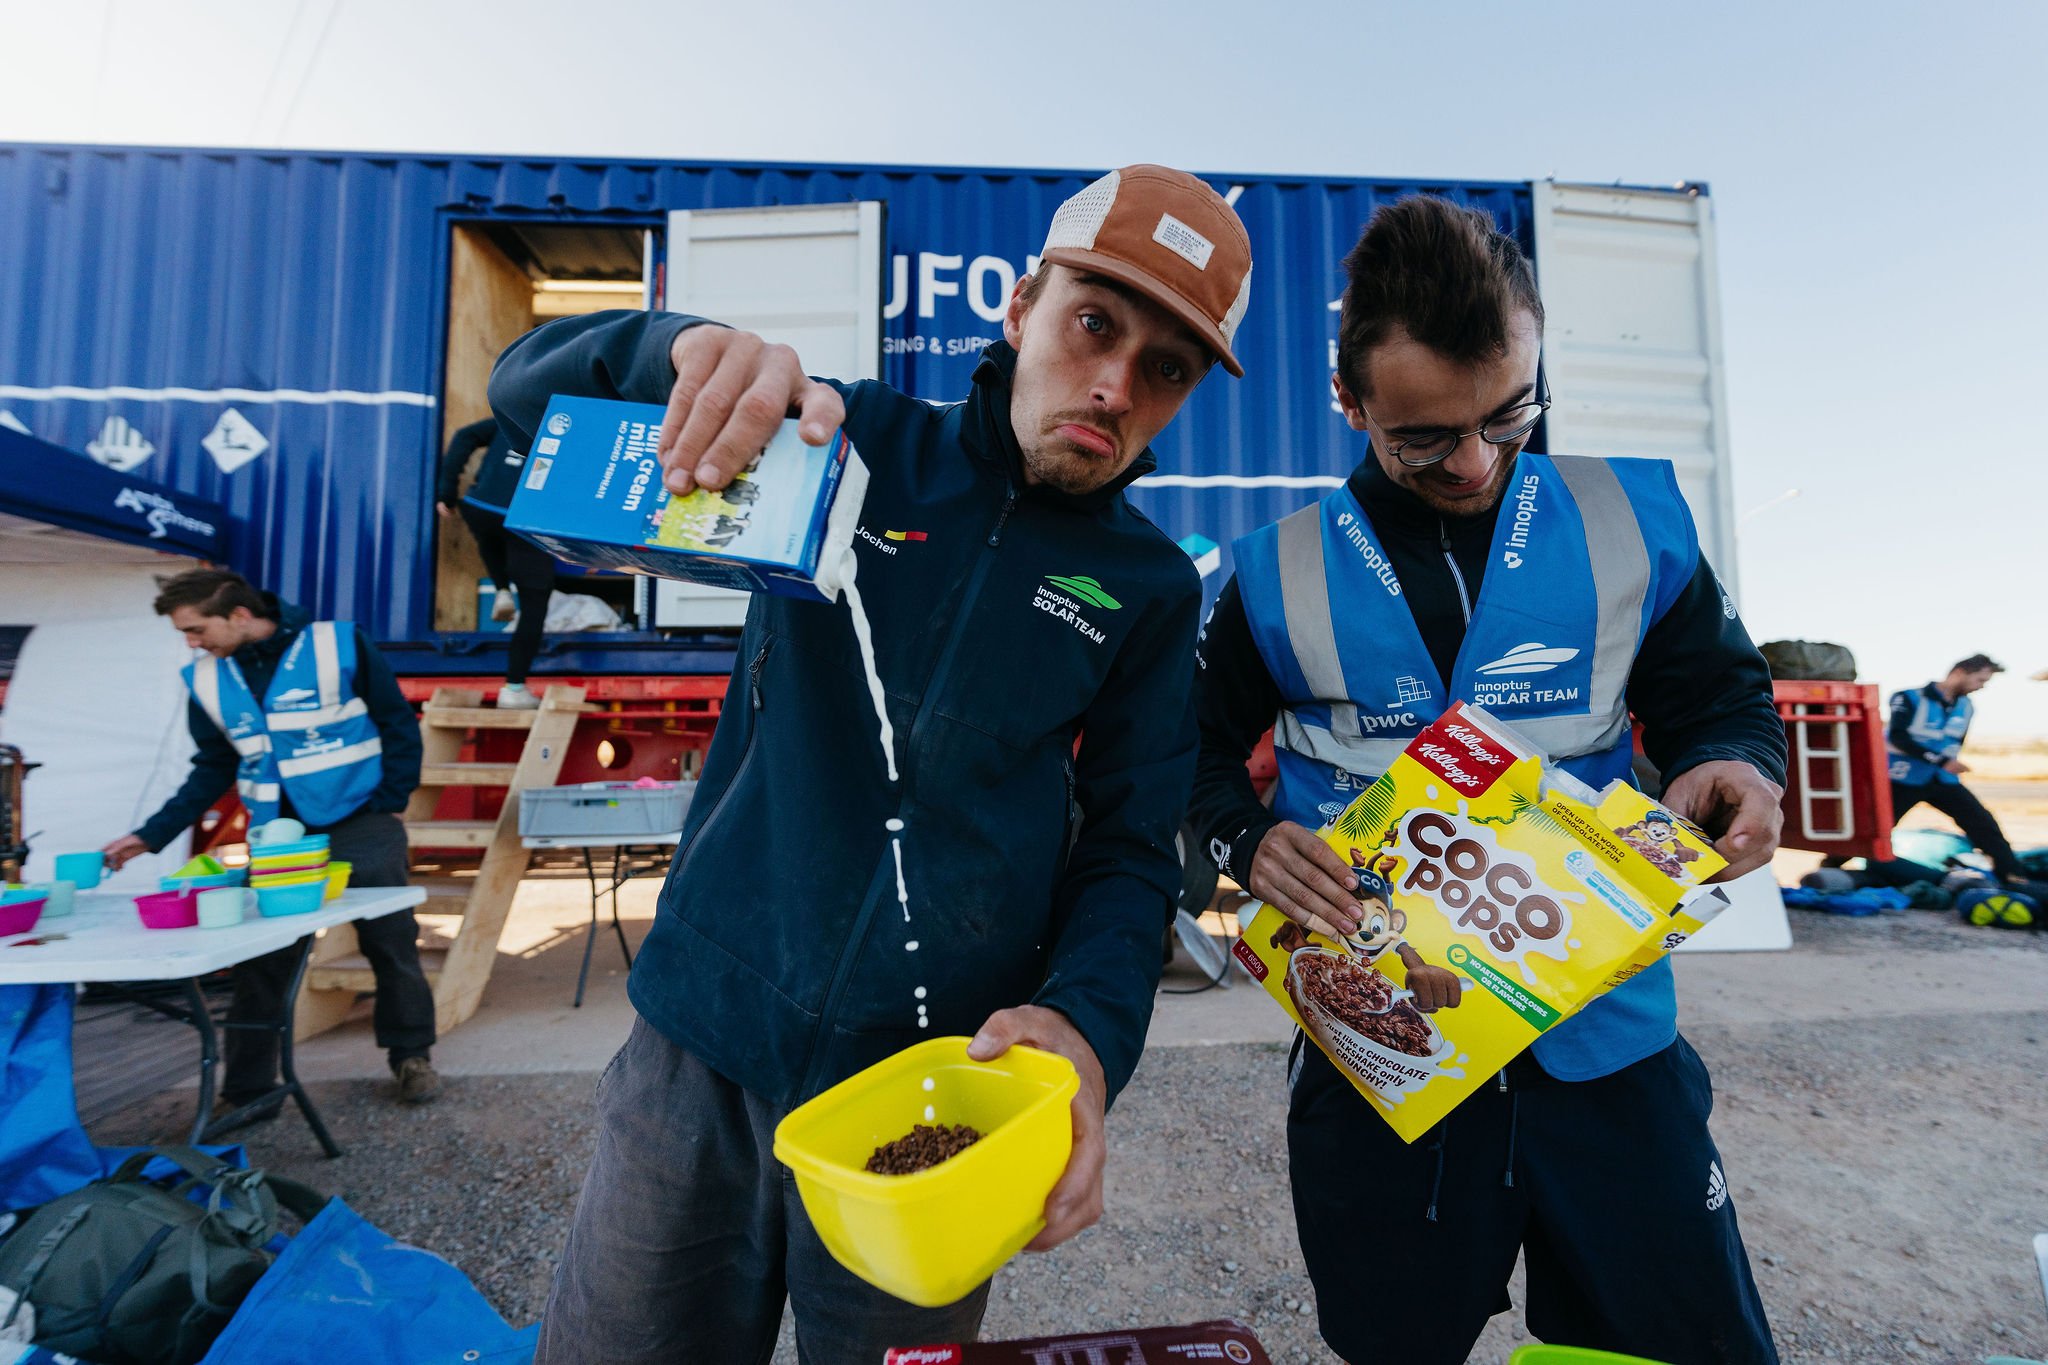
pixel 1887 1168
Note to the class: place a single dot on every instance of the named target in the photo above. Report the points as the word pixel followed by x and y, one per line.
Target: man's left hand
pixel 1076 1201
pixel 1735 804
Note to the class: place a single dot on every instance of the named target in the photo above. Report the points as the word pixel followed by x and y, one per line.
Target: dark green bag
pixel 129 1272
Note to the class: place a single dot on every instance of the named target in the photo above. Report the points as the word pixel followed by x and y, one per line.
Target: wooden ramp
pixel 460 970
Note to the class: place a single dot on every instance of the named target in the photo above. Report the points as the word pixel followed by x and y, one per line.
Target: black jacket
pixel 497 474
pixel 214 765
pixel 1699 688
pixel 779 954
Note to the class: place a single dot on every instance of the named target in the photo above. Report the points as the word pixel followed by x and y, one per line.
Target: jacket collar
pixel 291 619
pixel 1392 508
pixel 993 442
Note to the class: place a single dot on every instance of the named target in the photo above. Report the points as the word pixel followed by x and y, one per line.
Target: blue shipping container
pixel 266 330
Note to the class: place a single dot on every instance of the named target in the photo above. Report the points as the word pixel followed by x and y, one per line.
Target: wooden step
pixel 450 833
pixel 478 718
pixel 353 973
pixel 467 774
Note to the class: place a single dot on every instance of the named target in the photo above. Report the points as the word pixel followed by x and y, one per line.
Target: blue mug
pixel 81 869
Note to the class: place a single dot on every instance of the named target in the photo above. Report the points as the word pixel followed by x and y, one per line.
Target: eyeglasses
pixel 1502 429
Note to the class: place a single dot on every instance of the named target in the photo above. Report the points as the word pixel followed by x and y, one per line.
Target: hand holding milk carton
pixel 1506 896
pixel 592 493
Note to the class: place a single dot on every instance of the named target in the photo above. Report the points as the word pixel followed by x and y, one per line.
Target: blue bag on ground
pixel 43 1150
pixel 344 1281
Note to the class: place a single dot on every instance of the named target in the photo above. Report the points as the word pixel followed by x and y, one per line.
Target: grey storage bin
pixel 603 809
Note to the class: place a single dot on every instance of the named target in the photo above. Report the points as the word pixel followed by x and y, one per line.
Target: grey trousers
pixel 689 1236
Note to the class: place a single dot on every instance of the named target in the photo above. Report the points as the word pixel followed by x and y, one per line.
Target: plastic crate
pixel 1838 795
pixel 604 809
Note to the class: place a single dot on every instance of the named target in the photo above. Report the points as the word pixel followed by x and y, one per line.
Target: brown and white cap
pixel 1168 236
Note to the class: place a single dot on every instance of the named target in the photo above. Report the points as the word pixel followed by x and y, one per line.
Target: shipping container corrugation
pixel 308 293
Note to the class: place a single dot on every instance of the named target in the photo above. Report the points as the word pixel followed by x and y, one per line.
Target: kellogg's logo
pixel 1461 754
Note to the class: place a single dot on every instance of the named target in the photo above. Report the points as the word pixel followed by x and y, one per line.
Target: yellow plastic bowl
pixel 337 879
pixel 931 1237
pixel 311 874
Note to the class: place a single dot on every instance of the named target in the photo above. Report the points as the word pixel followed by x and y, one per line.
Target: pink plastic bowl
pixel 168 909
pixel 18 917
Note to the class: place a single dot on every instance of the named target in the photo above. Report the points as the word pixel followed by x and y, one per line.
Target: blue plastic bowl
pixel 272 901
pixel 312 843
pixel 234 876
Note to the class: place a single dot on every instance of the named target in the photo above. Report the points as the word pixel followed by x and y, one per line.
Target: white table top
pixel 671 839
pixel 103 939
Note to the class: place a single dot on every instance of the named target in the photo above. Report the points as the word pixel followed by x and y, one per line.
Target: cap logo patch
pixel 1183 241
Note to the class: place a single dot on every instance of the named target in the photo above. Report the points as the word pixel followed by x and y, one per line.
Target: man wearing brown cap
pixel 1037 608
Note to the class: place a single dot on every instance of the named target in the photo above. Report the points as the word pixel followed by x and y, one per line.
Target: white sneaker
pixel 503 606
pixel 515 697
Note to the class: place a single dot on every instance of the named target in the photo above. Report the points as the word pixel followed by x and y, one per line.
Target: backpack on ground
pixel 126 1271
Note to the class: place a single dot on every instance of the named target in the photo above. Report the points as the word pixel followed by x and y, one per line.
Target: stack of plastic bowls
pixel 289 873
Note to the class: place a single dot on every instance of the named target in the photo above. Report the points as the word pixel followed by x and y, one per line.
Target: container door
pixel 807 276
pixel 1632 341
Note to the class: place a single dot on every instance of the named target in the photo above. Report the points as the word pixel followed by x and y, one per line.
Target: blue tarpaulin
pixel 59 487
pixel 344 1281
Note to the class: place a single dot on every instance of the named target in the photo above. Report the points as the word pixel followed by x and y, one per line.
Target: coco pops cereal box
pixel 1507 895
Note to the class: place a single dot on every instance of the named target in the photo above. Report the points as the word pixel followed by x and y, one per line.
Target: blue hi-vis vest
pixel 311 737
pixel 1937 727
pixel 1586 555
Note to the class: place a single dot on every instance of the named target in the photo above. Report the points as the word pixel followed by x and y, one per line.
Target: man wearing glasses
pixel 1564 595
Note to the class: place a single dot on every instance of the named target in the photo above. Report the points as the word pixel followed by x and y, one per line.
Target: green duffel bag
pixel 130 1272
pixel 1808 661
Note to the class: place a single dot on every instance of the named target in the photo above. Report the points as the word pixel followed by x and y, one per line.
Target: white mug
pixel 224 906
pixel 60 901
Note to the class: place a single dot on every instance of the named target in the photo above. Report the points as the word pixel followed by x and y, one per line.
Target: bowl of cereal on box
pixel 926 1172
pixel 1358 1014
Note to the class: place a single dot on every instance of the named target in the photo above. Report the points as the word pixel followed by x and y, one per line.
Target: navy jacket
pixel 214 763
pixel 497 475
pixel 779 955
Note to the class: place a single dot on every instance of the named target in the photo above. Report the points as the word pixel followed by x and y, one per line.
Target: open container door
pixel 1632 338
pixel 809 277
pixel 1632 349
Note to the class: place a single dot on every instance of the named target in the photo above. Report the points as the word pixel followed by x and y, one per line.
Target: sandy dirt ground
pixel 1880 1105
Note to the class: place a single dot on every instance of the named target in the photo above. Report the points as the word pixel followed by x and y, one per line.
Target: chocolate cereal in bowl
pixel 1357 1013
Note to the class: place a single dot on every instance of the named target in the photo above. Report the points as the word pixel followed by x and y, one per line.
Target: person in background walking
pixel 516 564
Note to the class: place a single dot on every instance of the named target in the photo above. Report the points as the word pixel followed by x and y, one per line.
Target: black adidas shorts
pixel 1611 1187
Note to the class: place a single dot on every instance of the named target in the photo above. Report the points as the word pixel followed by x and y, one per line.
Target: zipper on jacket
pixel 995 536
pixel 739 769
pixel 1443 536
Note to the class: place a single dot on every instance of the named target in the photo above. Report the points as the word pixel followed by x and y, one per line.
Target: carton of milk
pixel 592 493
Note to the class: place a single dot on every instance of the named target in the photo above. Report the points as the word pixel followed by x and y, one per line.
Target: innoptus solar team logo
pixel 1070 597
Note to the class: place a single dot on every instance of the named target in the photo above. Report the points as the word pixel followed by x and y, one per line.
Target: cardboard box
pixel 592 493
pixel 1224 1341
pixel 1518 896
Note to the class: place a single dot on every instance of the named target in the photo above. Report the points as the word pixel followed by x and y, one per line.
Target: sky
pixel 1877 173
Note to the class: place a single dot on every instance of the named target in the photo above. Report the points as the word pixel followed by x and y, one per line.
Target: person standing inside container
pixel 1563 595
pixel 522 573
pixel 301 718
pixel 1034 607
